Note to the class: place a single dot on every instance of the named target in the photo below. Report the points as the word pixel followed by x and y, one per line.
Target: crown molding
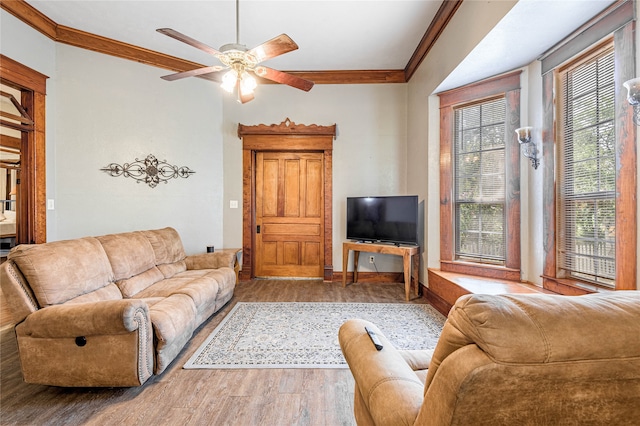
pixel 71 36
pixel 444 14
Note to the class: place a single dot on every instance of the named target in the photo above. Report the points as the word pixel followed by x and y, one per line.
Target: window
pixel 479 191
pixel 479 178
pixel 589 158
pixel 587 172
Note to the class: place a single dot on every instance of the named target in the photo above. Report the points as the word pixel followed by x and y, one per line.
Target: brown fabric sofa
pixel 507 360
pixel 110 310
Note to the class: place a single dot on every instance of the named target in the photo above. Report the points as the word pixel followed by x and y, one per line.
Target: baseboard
pixel 371 277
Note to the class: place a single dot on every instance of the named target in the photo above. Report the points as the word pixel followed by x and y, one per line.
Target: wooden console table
pixel 407 253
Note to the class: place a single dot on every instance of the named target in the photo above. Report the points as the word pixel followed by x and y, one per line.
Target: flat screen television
pixel 392 219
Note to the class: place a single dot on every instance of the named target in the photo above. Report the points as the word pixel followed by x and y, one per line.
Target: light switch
pixel 51 205
pixel 233 204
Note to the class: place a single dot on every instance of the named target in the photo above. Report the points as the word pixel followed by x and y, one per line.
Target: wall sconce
pixel 529 149
pixel 633 96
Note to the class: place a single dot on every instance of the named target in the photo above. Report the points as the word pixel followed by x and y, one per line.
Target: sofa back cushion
pixel 168 250
pixel 134 285
pixel 62 270
pixel 130 254
pixel 543 328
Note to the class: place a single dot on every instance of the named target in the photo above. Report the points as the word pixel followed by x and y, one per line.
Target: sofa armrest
pixel 390 392
pixel 107 343
pixel 215 260
pixel 417 359
pixel 87 319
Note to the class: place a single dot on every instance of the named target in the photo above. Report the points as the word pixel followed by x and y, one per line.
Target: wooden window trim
pixel 507 85
pixel 626 162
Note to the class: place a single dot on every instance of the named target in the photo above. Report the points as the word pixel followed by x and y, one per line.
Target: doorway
pixel 23 133
pixel 10 144
pixel 287 200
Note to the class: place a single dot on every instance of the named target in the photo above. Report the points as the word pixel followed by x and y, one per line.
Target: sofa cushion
pixel 167 245
pixel 61 270
pixel 170 269
pixel 130 253
pixel 109 292
pixel 132 286
pixel 174 320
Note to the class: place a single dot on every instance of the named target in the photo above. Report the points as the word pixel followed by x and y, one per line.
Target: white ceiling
pixel 331 34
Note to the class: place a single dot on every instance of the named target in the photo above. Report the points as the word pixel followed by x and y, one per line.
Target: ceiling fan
pixel 238 62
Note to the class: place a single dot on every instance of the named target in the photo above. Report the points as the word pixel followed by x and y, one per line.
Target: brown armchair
pixel 507 359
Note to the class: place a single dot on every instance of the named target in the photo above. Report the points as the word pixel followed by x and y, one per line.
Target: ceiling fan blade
pixel 284 78
pixel 192 73
pixel 213 76
pixel 274 47
pixel 186 39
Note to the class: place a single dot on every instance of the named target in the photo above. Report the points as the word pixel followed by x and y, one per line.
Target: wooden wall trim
pixel 349 76
pixel 481 89
pixel 626 164
pixel 74 37
pixel 33 189
pixel 614 17
pixel 9 142
pixel 31 16
pixel 122 50
pixel 435 29
pixel 548 176
pixel 287 127
pixel 19 77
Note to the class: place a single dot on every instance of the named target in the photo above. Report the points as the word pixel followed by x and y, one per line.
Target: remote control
pixel 374 339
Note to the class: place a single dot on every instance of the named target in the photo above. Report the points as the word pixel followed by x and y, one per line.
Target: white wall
pixel 111 110
pixel 369 152
pixel 32 49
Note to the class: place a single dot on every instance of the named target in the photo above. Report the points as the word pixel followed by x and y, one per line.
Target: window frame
pixel 616 20
pixel 507 86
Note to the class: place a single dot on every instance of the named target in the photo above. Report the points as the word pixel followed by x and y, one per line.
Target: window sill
pixel 481 270
pixel 570 287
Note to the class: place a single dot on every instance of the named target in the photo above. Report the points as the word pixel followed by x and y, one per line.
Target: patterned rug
pixel 305 335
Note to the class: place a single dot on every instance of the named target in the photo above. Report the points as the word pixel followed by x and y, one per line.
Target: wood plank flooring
pixel 203 397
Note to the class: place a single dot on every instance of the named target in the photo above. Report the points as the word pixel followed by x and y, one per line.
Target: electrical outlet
pixel 372 259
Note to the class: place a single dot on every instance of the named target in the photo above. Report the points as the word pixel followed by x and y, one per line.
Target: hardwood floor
pixel 203 397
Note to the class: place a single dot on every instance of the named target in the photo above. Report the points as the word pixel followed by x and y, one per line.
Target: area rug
pixel 305 335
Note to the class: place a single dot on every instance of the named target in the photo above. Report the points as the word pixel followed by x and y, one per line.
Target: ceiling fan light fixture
pixel 240 60
pixel 247 83
pixel 229 81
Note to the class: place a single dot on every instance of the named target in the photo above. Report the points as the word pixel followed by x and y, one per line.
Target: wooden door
pixel 289 214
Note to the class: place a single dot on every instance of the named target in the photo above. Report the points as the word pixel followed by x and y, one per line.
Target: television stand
pixel 407 252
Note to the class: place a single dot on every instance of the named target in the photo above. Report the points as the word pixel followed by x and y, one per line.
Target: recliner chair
pixel 534 359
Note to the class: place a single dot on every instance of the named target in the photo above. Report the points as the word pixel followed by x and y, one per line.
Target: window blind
pixel 479 182
pixel 587 172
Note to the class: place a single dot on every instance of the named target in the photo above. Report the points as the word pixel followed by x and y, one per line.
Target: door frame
pixel 33 186
pixel 287 137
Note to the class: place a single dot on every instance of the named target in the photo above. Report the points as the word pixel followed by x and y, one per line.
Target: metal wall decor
pixel 150 171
